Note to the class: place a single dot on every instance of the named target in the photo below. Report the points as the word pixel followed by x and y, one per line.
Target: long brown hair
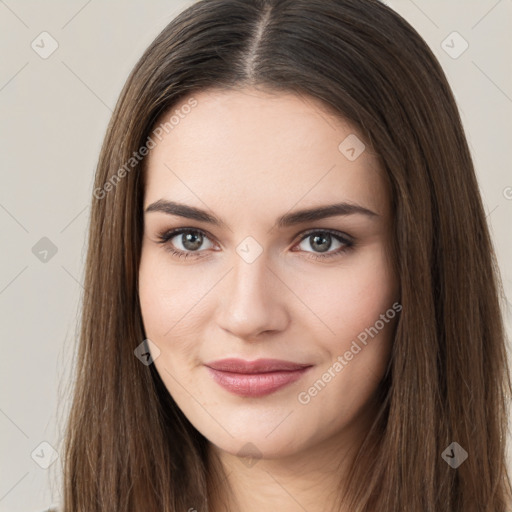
pixel 128 447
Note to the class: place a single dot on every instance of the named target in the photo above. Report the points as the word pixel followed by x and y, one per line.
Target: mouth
pixel 255 378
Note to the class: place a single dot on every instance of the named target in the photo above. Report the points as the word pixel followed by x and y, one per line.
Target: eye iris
pixel 324 241
pixel 191 240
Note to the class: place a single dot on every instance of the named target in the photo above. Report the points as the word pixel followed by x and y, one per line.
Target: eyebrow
pixel 286 220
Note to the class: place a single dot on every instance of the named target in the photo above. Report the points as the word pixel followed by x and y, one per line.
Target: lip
pixel 255 378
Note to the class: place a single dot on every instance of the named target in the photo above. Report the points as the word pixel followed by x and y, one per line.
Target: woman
pixel 291 293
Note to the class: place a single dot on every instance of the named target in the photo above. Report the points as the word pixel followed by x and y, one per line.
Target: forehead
pixel 258 149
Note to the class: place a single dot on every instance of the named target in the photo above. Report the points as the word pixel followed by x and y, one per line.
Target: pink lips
pixel 255 378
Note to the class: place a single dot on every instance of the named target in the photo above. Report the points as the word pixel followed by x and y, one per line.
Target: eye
pixel 322 240
pixel 190 240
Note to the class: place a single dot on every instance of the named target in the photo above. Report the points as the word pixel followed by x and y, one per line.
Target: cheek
pixel 351 297
pixel 170 321
pixel 169 308
pixel 356 304
pixel 170 299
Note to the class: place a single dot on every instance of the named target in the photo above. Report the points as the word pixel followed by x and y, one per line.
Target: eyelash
pixel 348 243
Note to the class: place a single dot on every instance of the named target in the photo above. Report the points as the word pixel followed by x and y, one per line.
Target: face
pixel 264 271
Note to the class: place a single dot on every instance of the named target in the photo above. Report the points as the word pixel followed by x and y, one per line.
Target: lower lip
pixel 256 384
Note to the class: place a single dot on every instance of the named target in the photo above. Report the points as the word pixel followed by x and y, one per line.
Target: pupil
pixel 191 241
pixel 323 240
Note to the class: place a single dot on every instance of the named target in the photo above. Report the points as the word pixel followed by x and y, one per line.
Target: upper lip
pixel 258 366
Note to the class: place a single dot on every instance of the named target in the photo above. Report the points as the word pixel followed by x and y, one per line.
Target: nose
pixel 252 300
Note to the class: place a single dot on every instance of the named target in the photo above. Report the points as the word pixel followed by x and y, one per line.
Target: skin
pixel 249 156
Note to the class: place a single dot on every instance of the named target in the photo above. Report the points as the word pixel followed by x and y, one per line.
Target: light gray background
pixel 54 115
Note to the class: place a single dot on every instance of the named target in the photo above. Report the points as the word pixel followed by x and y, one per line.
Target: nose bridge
pixel 249 276
pixel 250 273
pixel 251 303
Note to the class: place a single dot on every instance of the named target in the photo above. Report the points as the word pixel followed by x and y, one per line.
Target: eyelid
pixel 171 233
pixel 333 232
